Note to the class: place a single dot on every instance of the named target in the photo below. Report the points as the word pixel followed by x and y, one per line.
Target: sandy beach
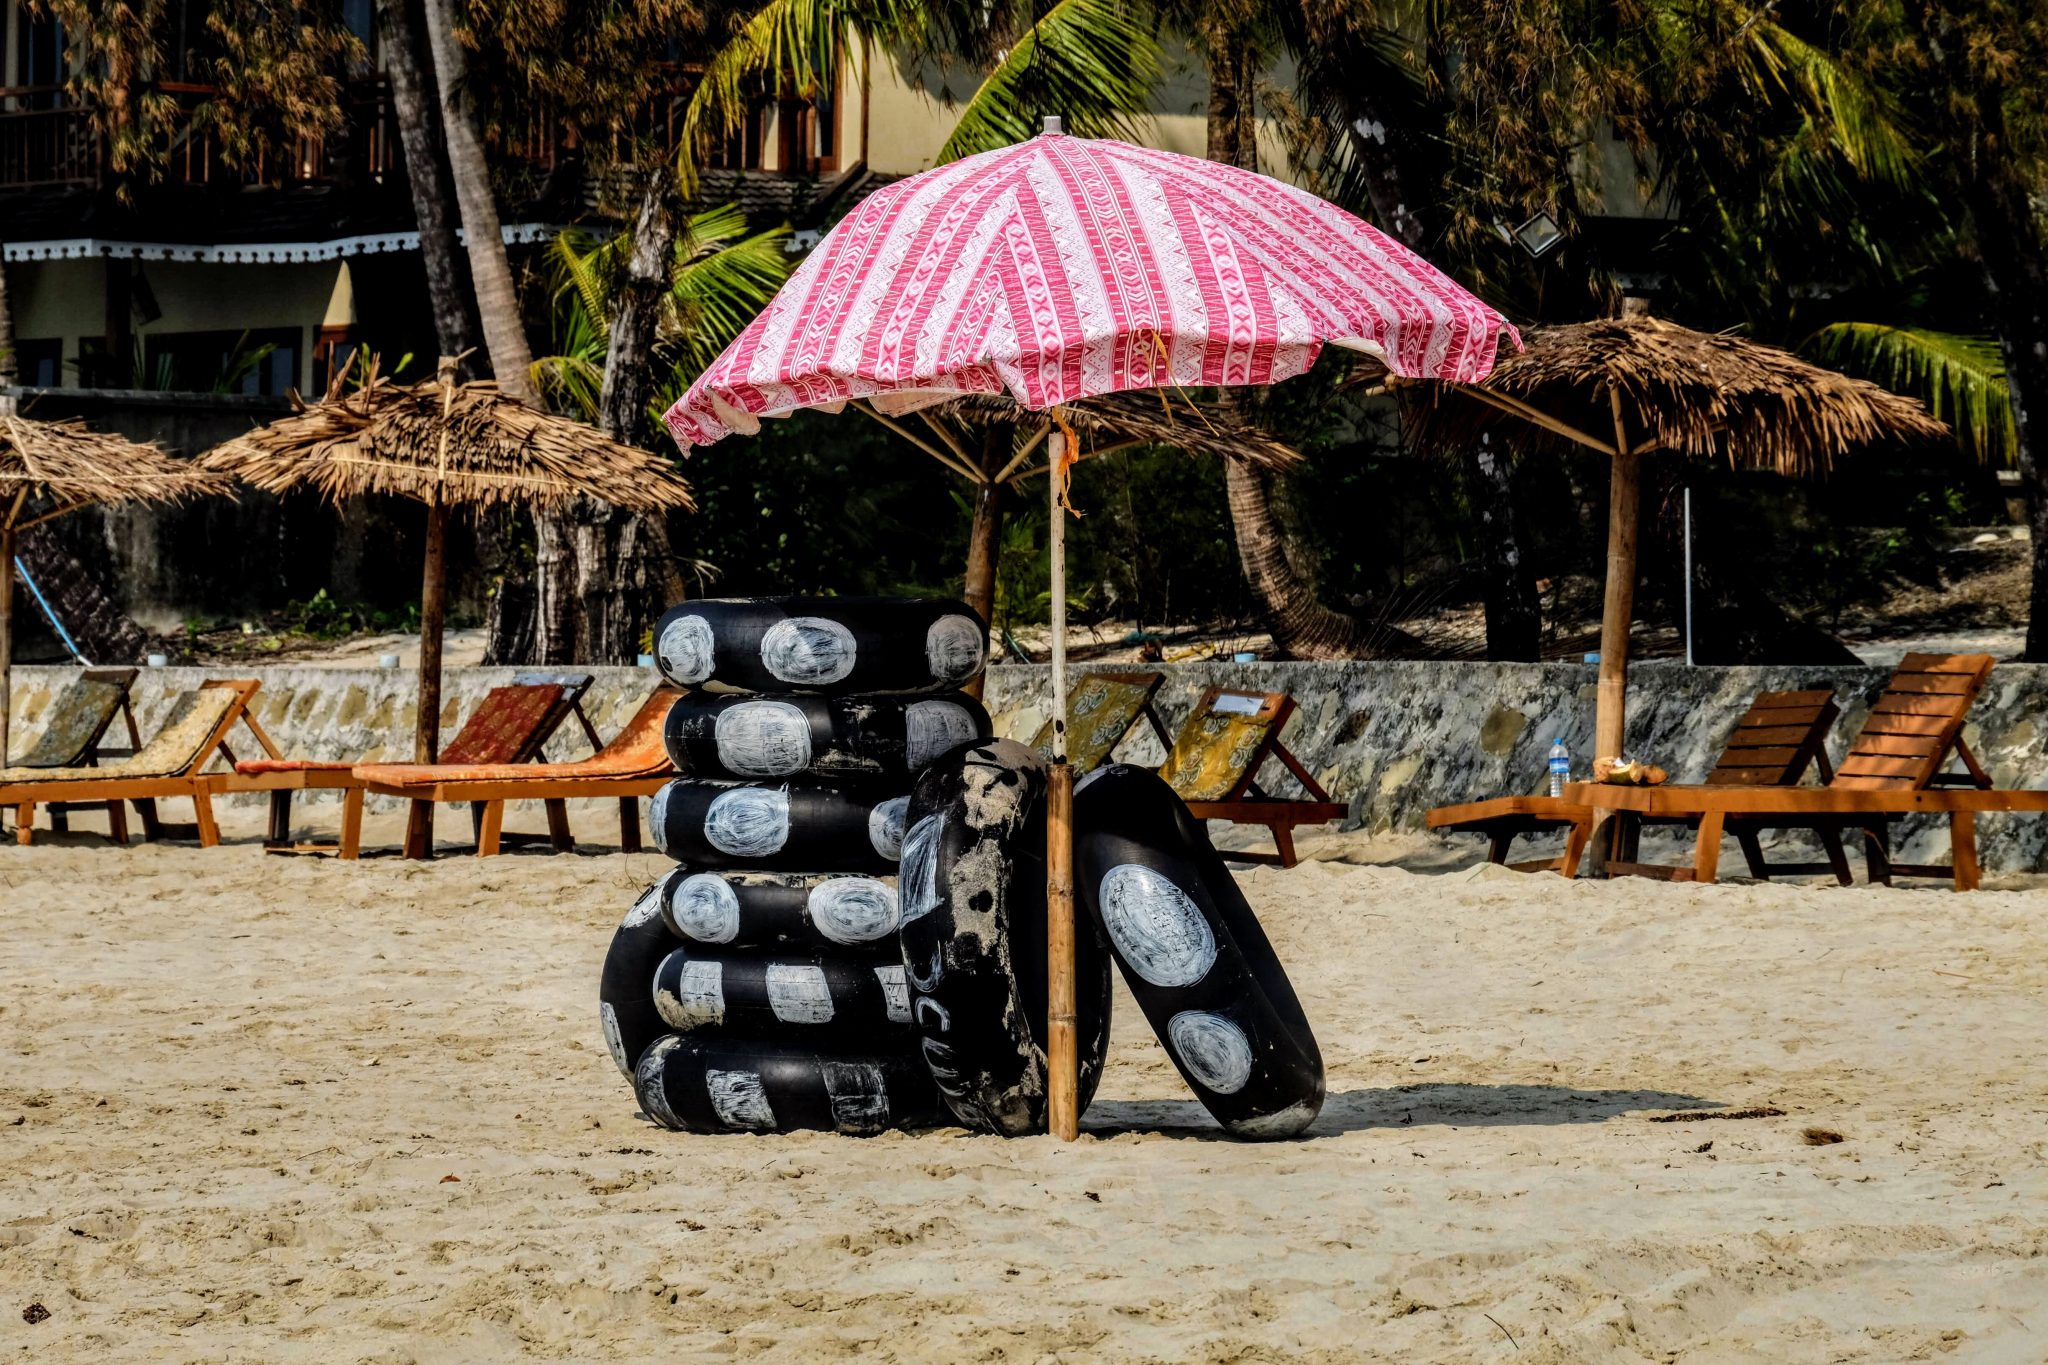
pixel 261 1109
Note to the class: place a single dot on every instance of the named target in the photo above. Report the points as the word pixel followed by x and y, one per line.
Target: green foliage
pixel 722 275
pixel 1961 379
pixel 1092 61
pixel 323 618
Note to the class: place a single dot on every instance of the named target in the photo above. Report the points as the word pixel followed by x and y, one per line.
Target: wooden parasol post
pixel 426 744
pixel 1062 1053
pixel 1624 506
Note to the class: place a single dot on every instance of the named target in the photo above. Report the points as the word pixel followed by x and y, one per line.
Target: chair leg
pixel 1962 827
pixel 152 826
pixel 352 823
pixel 117 822
pixel 1753 852
pixel 280 835
pixel 476 819
pixel 60 819
pixel 1575 848
pixel 490 818
pixel 24 822
pixel 419 830
pixel 558 825
pixel 1706 856
pixel 1838 858
pixel 202 806
pixel 1497 846
pixel 1877 854
pixel 629 824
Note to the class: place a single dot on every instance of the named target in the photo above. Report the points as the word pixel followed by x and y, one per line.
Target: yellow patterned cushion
pixel 178 747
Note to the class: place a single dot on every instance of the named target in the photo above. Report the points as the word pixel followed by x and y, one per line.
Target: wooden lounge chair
pixel 75 724
pixel 1895 767
pixel 634 765
pixel 1780 737
pixel 510 725
pixel 1101 709
pixel 1214 766
pixel 168 766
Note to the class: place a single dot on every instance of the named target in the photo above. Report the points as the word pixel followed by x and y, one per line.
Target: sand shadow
pixel 1407 1106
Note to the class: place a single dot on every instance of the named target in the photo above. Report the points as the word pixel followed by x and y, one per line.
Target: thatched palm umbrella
pixel 444 444
pixel 1632 385
pixel 51 469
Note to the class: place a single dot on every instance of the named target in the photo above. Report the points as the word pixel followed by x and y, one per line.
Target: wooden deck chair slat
pixel 1935 684
pixel 1891 723
pixel 1768 736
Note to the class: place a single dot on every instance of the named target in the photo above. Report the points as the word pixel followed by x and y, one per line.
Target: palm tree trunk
pixel 417 100
pixel 2015 263
pixel 490 271
pixel 1514 622
pixel 606 574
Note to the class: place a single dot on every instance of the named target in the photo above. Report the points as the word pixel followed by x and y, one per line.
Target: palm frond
pixel 1864 123
pixel 720 284
pixel 1961 379
pixel 1093 62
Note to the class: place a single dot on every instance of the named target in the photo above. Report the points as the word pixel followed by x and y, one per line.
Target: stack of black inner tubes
pixel 760 986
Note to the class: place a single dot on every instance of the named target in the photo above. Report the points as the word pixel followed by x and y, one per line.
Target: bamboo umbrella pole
pixel 1624 505
pixel 426 744
pixel 1063 1067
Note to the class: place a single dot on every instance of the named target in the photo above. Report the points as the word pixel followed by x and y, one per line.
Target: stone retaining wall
pixel 1391 739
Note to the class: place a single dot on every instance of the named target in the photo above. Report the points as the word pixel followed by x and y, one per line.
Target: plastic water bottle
pixel 1560 767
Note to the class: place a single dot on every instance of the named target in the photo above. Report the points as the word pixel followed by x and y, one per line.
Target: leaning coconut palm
pixel 51 469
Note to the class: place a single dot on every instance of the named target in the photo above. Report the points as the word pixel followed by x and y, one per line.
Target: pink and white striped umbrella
pixel 1065 267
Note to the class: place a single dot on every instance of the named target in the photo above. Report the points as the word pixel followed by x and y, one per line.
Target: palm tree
pixel 416 96
pixel 490 271
pixel 694 282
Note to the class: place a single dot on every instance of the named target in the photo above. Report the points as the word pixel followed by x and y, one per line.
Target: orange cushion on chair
pixel 501 728
pixel 258 767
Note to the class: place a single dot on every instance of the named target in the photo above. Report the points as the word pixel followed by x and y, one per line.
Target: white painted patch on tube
pixel 704 907
pixel 852 909
pixel 799 993
pixel 763 739
pixel 895 992
pixel 1158 931
pixel 748 822
pixel 859 1094
pixel 613 1039
pixel 808 651
pixel 1213 1048
pixel 647 1082
pixel 686 650
pixel 697 1000
pixel 885 826
pixel 930 728
pixel 1284 1124
pixel 917 879
pixel 644 909
pixel 657 817
pixel 739 1100
pixel 953 648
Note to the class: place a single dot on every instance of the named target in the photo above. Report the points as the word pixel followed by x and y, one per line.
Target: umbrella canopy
pixel 444 443
pixel 49 469
pixel 1632 385
pixel 1063 269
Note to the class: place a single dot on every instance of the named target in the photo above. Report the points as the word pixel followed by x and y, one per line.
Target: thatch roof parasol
pixel 444 443
pixel 50 469
pixel 447 443
pixel 1709 395
pixel 1631 385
